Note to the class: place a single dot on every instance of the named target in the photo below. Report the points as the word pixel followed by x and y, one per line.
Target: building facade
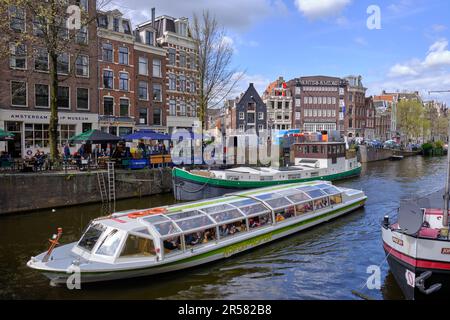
pixel 369 129
pixel 356 112
pixel 278 100
pixel 116 83
pixel 182 76
pixel 319 103
pixel 25 85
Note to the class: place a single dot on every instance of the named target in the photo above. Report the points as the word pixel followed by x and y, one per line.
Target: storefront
pixel 118 126
pixel 31 133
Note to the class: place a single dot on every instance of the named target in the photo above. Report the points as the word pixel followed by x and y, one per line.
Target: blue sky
pixel 293 38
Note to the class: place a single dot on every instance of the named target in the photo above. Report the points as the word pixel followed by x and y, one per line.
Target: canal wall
pixel 368 154
pixel 25 192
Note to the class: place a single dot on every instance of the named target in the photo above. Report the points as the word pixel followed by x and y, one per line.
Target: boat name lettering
pixel 397 241
pixel 445 251
pixel 247 244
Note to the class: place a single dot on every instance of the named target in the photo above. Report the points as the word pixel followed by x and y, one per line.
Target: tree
pixel 52 26
pixel 410 118
pixel 217 77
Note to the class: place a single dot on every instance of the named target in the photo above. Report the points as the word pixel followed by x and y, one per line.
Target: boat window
pixel 165 228
pixel 110 243
pixel 336 199
pixel 186 214
pixel 260 221
pixel 200 237
pixel 315 193
pixel 230 229
pixel 244 203
pixel 194 223
pixel 299 197
pixel 172 244
pixel 304 208
pixel 155 219
pixel 226 215
pixel 138 247
pixel 323 186
pixel 219 208
pixel 321 203
pixel 278 203
pixel 91 236
pixel 331 190
pixel 267 196
pixel 257 208
pixel 143 231
pixel 283 214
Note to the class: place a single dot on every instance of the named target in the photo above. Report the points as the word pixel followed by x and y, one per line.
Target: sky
pixel 408 50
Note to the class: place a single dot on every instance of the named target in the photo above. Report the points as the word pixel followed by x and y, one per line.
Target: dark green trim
pixel 183 174
pixel 237 244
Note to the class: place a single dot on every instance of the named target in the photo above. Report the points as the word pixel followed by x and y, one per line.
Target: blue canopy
pixel 147 135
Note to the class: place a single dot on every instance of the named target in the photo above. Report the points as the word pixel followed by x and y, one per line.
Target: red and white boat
pixel 417 247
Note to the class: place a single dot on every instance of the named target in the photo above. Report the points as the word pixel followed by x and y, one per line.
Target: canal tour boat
pixel 417 246
pixel 146 242
pixel 312 160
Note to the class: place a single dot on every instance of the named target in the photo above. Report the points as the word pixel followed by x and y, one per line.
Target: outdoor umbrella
pixel 6 135
pixel 95 137
pixel 147 135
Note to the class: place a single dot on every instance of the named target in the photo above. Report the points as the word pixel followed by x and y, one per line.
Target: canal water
pixel 326 262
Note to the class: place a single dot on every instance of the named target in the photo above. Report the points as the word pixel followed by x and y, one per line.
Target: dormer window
pixel 126 27
pixel 103 21
pixel 149 38
pixel 116 24
pixel 182 29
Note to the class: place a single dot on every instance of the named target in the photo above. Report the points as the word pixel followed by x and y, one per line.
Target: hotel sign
pixel 320 82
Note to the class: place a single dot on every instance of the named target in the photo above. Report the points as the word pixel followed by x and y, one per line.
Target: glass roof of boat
pixel 220 213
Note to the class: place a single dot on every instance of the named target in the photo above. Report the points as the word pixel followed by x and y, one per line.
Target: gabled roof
pixel 251 94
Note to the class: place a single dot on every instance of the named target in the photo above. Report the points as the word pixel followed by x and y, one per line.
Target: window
pixel 61 25
pixel 83 4
pixel 103 21
pixel 230 229
pixel 172 56
pixel 321 203
pixel 107 54
pixel 83 98
pixel 143 66
pixel 149 38
pixel 260 127
pixel 172 82
pixel 41 59
pixel 36 135
pixel 126 27
pixel 18 93
pixel 182 80
pixel 41 96
pixel 108 106
pixel 156 68
pixel 124 131
pixel 250 117
pixel 116 24
pixel 336 199
pixel 193 61
pixel 194 109
pixel 304 208
pixel 123 81
pixel 182 60
pixel 63 63
pixel 298 102
pixel 200 237
pixel 157 116
pixel 172 108
pixel 241 128
pixel 297 116
pixel 260 221
pixel 142 115
pixel 182 105
pixel 182 29
pixel 39 25
pixel 157 92
pixel 17 18
pixel 143 90
pixel 18 59
pixel 260 115
pixel 82 35
pixel 241 116
pixel 110 243
pixel 63 98
pixel 137 247
pixel 124 107
pixel 108 79
pixel 123 55
pixel 82 66
pixel 193 86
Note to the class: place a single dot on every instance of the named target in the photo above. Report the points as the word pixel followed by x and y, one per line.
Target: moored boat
pixel 145 242
pixel 312 160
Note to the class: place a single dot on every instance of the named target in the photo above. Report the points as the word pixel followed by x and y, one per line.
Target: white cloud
pixel 259 81
pixel 438 27
pixel 314 9
pixel 233 14
pixel 401 70
pixel 438 55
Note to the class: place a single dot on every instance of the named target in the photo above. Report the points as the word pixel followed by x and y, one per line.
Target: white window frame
pixel 70 101
pixel 26 94
pixel 89 99
pixel 88 69
pixel 113 105
pixel 48 93
pixel 159 75
pixel 141 62
pixel 13 46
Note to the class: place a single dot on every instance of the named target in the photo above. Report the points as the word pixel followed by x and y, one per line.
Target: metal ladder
pixel 111 183
pixel 102 186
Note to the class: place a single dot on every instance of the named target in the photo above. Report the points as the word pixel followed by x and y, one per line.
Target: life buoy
pixel 148 212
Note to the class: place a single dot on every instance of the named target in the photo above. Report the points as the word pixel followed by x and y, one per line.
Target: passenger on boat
pixel 193 238
pixel 279 217
pixel 224 230
pixel 172 244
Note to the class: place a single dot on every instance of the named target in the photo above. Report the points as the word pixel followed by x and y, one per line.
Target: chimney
pixel 153 17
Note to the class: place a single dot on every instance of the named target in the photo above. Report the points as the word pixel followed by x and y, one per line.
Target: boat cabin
pixel 133 235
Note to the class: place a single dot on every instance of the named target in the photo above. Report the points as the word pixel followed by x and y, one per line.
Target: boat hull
pixel 264 236
pixel 190 187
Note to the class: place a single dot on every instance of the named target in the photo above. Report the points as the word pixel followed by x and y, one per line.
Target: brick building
pixel 356 115
pixel 25 98
pixel 116 64
pixel 278 100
